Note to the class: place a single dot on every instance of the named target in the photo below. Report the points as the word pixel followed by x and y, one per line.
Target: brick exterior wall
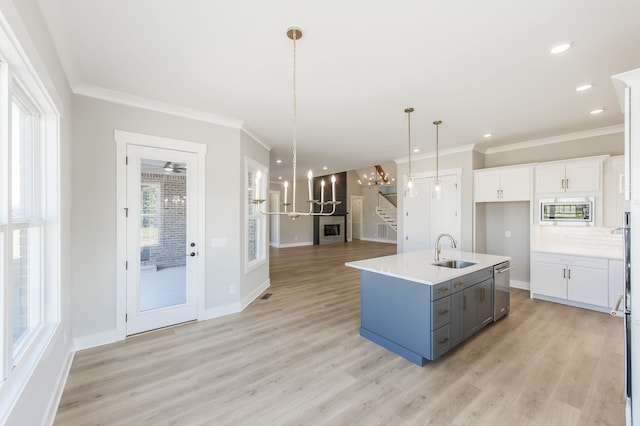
pixel 171 221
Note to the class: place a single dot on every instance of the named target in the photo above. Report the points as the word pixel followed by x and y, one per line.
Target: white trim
pixel 122 139
pixel 298 244
pixel 234 308
pixel 262 242
pixel 98 339
pixel 56 395
pixel 379 240
pixel 557 139
pixel 154 105
pixel 246 301
pixel 449 151
pixel 252 135
pixel 519 145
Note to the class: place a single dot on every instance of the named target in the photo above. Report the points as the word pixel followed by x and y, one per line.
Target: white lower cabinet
pixel 584 280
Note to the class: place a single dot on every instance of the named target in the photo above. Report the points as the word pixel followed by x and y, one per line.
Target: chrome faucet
pixel 453 244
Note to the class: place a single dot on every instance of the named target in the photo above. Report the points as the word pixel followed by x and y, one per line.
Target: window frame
pixel 18 80
pixel 251 168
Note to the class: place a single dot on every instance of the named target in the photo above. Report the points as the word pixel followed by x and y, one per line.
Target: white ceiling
pixel 479 66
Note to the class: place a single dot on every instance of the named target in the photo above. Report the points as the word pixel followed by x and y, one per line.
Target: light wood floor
pixel 297 358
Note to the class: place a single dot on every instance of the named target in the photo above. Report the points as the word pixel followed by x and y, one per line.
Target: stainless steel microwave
pixel 567 211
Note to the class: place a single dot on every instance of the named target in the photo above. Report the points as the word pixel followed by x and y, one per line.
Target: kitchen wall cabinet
pixel 584 280
pixel 502 184
pixel 569 176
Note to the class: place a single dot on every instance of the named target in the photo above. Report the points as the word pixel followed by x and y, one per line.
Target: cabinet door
pixel 457 330
pixel 583 176
pixel 588 285
pixel 470 310
pixel 515 185
pixel 486 186
pixel 548 279
pixel 549 178
pixel 485 302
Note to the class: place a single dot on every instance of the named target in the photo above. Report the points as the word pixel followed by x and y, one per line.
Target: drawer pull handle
pixel 458 285
pixel 443 290
pixel 445 312
pixel 443 341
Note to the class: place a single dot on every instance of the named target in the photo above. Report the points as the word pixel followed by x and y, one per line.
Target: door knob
pixel 192 254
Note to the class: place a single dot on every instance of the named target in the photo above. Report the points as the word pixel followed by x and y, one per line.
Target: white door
pixel 274 220
pixel 445 212
pixel 356 218
pixel 162 236
pixel 417 210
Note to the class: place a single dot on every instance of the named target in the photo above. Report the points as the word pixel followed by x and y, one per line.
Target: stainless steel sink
pixel 456 264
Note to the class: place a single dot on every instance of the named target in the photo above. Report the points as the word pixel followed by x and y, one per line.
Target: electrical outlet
pixel 232 289
pixel 507 234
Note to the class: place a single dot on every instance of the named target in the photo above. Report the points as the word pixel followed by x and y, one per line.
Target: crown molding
pixel 555 139
pixel 449 151
pixel 253 136
pixel 154 105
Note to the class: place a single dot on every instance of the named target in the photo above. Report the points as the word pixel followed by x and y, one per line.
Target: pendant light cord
pixel 295 116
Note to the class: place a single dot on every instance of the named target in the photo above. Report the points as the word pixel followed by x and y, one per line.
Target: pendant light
pixel 295 33
pixel 437 187
pixel 409 185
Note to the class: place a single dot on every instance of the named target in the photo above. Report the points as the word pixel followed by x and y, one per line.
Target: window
pixel 29 239
pixel 256 241
pixel 150 193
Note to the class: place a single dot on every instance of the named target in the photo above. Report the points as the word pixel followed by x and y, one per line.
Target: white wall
pixel 298 232
pixel 94 210
pixel 37 397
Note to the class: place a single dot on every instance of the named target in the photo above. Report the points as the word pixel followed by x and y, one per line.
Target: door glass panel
pixel 163 234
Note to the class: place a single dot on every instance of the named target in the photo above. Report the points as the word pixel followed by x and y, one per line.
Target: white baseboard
pixel 380 240
pixel 56 395
pixel 246 301
pixel 297 244
pixel 93 340
pixel 520 284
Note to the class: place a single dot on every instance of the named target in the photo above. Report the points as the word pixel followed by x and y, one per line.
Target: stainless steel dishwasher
pixel 501 289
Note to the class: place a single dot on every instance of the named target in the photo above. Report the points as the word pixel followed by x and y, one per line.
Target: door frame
pixel 274 220
pixel 361 198
pixel 122 139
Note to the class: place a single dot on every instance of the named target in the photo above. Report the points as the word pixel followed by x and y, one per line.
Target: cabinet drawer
pixel 472 278
pixel 569 260
pixel 441 341
pixel 441 312
pixel 438 291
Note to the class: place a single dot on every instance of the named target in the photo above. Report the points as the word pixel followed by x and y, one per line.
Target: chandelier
pixel 295 33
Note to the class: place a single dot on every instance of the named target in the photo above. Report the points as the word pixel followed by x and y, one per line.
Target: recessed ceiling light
pixel 278 161
pixel 416 150
pixel 279 177
pixel 597 111
pixel 324 167
pixel 487 135
pixel 560 47
pixel 584 87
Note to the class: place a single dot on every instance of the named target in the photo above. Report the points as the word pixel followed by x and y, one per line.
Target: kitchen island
pixel 419 310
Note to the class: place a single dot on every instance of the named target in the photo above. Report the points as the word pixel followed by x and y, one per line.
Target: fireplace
pixel 331 229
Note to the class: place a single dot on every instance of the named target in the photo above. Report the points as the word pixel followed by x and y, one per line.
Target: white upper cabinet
pixel 502 184
pixel 569 176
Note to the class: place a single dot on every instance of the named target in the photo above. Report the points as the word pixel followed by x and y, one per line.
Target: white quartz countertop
pixel 417 266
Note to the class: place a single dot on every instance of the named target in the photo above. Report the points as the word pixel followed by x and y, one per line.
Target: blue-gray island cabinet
pixel 421 318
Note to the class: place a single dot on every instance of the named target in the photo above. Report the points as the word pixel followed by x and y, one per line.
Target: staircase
pixel 387 210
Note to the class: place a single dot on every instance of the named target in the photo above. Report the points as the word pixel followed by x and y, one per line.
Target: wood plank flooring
pixel 297 358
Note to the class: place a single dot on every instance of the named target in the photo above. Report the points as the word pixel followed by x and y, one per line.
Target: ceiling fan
pixel 174 167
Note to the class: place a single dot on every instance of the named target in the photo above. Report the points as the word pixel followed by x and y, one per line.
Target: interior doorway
pixel 356 217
